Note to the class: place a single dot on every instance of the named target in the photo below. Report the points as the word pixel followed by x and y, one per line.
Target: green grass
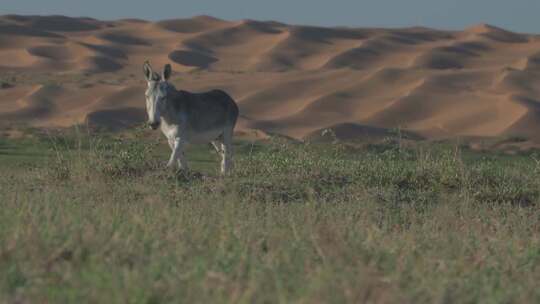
pixel 98 220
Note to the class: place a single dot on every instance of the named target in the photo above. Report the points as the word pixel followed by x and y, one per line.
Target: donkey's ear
pixel 147 70
pixel 167 70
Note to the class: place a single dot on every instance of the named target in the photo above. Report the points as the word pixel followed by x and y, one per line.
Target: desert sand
pixel 292 80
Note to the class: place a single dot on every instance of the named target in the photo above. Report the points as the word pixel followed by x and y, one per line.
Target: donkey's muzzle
pixel 154 125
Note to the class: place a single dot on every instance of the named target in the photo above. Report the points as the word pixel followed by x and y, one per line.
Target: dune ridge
pixel 297 81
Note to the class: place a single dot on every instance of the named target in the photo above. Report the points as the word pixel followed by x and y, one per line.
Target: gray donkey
pixel 186 117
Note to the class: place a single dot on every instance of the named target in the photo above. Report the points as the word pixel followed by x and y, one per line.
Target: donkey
pixel 185 117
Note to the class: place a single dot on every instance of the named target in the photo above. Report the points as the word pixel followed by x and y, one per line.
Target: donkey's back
pixel 206 111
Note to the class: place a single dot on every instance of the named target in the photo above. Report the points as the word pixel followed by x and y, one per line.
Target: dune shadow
pixel 191 58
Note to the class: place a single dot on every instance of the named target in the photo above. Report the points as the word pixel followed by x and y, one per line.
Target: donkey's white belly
pixel 201 137
pixel 190 135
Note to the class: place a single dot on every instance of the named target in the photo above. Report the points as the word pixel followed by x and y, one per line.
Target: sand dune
pixel 56 23
pixel 193 25
pixel 35 105
pixel 496 34
pixel 124 38
pixel 298 81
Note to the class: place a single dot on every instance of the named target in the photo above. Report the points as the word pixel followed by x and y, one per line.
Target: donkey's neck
pixel 173 106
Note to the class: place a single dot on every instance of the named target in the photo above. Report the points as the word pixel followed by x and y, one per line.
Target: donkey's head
pixel 156 93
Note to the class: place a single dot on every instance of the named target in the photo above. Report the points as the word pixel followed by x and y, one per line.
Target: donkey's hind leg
pixel 226 154
pixel 217 146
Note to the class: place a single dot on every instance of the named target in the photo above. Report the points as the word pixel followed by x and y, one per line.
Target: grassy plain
pixel 96 219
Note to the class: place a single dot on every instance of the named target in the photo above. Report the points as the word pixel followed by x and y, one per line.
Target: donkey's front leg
pixel 177 155
pixel 174 153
